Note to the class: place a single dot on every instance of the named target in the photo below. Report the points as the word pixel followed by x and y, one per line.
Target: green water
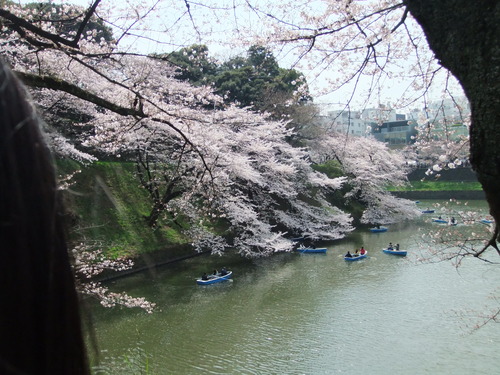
pixel 312 313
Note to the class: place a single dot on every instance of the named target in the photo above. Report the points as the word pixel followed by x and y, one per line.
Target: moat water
pixel 313 313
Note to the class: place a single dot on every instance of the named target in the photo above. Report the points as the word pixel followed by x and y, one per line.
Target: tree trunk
pixel 464 36
pixel 160 205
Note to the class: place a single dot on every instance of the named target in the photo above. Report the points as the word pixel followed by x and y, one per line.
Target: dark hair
pixel 40 325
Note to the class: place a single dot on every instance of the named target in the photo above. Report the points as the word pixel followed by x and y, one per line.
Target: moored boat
pixel 213 279
pixel 427 211
pixel 356 257
pixel 311 249
pixel 395 252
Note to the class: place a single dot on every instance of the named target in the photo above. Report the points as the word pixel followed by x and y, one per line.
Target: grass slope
pixel 439 186
pixel 108 207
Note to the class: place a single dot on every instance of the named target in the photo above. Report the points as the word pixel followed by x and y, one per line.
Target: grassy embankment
pixel 439 186
pixel 107 207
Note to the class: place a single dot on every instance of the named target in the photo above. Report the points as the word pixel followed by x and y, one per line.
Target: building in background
pixel 396 129
pixel 396 134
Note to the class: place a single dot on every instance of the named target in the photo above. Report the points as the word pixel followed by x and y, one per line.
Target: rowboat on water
pixel 356 257
pixel 311 249
pixel 378 229
pixel 442 221
pixel 486 221
pixel 428 211
pixel 395 252
pixel 213 279
pixel 438 220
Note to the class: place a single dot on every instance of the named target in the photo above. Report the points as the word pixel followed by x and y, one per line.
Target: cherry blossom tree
pixel 218 161
pixel 249 176
pixel 89 263
pixel 370 167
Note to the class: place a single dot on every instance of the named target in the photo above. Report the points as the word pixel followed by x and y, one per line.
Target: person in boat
pixel 356 253
pixel 439 217
pixel 453 220
pixel 362 251
pixel 348 255
pixel 215 272
pixel 390 246
pixel 397 246
pixel 204 276
pixel 223 271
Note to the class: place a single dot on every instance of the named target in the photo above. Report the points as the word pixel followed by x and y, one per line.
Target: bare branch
pixel 86 20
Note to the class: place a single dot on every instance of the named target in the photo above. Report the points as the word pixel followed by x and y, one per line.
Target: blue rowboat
pixel 486 221
pixel 356 257
pixel 311 250
pixel 428 211
pixel 439 221
pixel 378 230
pixel 213 279
pixel 395 252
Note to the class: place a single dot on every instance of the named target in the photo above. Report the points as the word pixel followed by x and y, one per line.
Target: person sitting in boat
pixel 362 251
pixel 356 253
pixel 390 246
pixel 397 246
pixel 204 276
pixel 215 272
pixel 439 217
pixel 348 255
pixel 223 271
pixel 453 220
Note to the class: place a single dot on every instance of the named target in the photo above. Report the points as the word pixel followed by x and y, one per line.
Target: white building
pixel 381 115
pixel 343 121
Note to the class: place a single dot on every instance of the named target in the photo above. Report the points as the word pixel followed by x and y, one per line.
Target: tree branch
pixel 22 23
pixel 53 83
pixel 86 20
pixel 58 84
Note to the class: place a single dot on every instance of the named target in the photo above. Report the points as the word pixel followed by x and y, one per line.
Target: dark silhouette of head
pixel 40 325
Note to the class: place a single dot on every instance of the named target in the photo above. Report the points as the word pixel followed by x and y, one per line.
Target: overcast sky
pixel 170 27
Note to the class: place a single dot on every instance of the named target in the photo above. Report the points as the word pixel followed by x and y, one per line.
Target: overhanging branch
pixel 53 83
